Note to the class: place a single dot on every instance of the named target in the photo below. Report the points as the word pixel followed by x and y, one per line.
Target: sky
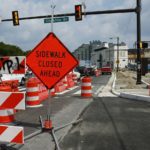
pixel 73 34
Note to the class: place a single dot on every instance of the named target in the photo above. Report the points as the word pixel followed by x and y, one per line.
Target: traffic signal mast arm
pixel 73 14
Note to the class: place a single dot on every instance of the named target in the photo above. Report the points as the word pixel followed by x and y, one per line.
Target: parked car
pixel 106 70
pixel 81 70
pixel 90 71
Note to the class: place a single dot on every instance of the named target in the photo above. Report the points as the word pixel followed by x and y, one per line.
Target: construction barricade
pixel 43 91
pixel 6 115
pixel 13 85
pixel 65 82
pixel 70 81
pixel 52 92
pixel 97 72
pixel 60 87
pixel 86 87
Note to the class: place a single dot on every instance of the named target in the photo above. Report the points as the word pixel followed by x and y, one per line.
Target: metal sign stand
pixel 47 125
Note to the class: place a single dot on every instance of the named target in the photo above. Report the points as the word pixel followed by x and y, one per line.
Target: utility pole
pixel 138 12
pixel 117 54
pixel 117 60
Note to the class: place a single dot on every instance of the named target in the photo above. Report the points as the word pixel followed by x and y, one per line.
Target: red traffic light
pixel 78 12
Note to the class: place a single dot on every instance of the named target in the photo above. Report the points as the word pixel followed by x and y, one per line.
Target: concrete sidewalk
pixel 133 94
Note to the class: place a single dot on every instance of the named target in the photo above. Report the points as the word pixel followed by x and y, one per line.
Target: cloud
pixel 72 33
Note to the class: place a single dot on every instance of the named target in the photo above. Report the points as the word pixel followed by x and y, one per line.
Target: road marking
pixel 99 90
pixel 77 93
pixel 68 90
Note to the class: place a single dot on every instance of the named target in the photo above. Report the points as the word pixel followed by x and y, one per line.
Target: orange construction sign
pixel 50 60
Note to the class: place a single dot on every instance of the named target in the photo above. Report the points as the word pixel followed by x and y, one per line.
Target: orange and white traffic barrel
pixel 75 79
pixel 86 87
pixel 6 115
pixel 32 98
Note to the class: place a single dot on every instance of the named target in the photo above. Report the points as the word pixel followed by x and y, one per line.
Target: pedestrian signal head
pixel 15 17
pixel 78 12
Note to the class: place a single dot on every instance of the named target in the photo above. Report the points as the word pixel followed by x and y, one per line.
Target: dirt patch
pixel 127 80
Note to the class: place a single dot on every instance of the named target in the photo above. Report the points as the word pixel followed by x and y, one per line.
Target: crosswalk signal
pixel 15 17
pixel 78 12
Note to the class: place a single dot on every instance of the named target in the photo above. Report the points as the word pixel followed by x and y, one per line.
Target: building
pixel 100 54
pixel 83 53
pixel 106 55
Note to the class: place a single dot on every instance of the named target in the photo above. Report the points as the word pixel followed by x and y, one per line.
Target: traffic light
pixel 78 12
pixel 15 17
pixel 142 45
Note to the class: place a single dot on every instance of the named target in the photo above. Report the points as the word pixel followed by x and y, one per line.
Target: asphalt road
pixel 111 123
pixel 29 118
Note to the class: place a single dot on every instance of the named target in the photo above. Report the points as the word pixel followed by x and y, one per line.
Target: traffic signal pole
pixel 136 10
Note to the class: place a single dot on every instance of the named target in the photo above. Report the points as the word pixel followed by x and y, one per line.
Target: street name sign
pixel 50 60
pixel 57 19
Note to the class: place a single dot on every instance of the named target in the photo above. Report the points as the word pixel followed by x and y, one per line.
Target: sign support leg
pixel 47 125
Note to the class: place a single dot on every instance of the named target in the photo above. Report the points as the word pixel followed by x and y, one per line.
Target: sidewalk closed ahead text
pixel 51 66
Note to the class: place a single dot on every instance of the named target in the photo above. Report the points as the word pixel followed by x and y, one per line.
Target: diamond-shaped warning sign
pixel 50 60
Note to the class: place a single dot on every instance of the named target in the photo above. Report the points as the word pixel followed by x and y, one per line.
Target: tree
pixel 10 50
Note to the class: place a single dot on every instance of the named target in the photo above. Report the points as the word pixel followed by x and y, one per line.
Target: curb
pixel 128 95
pixel 113 87
pixel 135 97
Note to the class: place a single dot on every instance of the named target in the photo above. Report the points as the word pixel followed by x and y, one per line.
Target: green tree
pixel 10 50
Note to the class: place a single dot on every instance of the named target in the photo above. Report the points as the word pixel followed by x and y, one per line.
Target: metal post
pixel 117 54
pixel 138 12
pixel 52 7
pixel 109 57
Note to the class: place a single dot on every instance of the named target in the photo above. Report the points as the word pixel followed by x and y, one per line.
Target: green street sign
pixel 57 19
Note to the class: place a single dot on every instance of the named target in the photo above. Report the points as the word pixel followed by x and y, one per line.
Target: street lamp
pixel 117 51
